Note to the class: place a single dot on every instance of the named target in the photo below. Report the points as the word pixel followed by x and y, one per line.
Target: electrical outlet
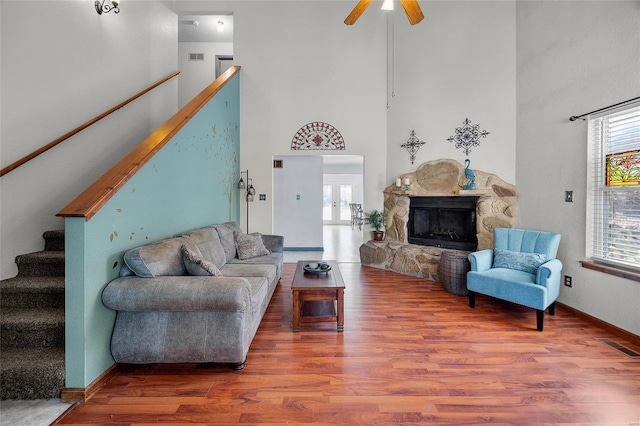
pixel 263 197
pixel 567 281
pixel 568 196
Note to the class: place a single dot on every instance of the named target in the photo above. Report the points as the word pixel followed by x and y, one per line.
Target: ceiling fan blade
pixel 357 11
pixel 413 11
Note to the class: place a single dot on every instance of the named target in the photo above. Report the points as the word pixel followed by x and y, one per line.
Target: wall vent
pixel 196 56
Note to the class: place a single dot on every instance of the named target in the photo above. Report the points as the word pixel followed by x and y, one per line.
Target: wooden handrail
pixel 78 129
pixel 95 196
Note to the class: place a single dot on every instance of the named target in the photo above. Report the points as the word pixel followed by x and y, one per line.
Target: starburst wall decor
pixel 317 135
pixel 467 136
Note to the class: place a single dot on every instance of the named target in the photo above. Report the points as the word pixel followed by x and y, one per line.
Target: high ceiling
pixel 204 28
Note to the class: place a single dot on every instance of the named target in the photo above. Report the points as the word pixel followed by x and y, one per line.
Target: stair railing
pixel 89 202
pixel 78 129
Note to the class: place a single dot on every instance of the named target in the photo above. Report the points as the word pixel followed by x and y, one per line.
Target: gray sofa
pixel 195 298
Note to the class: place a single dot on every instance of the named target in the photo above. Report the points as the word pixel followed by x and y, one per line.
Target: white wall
pixel 62 65
pixel 196 75
pixel 573 57
pixel 297 201
pixel 458 63
pixel 301 63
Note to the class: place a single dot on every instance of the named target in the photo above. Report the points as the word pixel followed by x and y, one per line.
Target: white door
pixel 336 198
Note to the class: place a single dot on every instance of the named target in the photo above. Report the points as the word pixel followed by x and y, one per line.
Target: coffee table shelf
pixel 318 297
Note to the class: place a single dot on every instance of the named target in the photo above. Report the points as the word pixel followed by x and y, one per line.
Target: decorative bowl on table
pixel 317 267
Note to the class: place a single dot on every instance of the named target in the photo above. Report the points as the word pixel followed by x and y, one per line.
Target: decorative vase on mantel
pixel 378 235
pixel 469 176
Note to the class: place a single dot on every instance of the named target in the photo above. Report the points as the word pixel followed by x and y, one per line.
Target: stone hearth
pixel 496 208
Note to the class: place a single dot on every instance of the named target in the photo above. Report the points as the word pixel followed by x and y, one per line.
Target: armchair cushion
pixel 527 262
pixel 509 284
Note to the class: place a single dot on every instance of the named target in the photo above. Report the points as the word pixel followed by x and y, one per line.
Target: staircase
pixel 32 324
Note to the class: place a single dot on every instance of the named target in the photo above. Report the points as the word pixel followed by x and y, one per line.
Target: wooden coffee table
pixel 318 297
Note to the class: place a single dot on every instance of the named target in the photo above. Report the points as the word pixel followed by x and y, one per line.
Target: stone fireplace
pixel 439 181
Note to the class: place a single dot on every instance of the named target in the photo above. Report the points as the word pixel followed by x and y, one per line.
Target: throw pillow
pixel 249 245
pixel 159 259
pixel 197 265
pixel 527 262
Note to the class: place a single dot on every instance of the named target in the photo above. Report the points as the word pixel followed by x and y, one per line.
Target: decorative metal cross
pixel 412 145
pixel 468 136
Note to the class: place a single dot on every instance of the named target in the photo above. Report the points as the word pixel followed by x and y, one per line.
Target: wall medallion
pixel 467 136
pixel 317 135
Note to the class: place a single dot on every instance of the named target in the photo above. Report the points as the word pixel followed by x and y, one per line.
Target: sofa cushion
pixel 250 270
pixel 527 262
pixel 269 259
pixel 158 259
pixel 195 264
pixel 225 232
pixel 209 244
pixel 249 245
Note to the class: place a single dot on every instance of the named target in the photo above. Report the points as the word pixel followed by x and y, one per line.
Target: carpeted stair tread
pixel 31 328
pixel 41 263
pixel 32 292
pixel 32 323
pixel 32 373
pixel 54 240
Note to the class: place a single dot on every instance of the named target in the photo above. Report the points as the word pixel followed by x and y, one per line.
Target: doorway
pixel 338 181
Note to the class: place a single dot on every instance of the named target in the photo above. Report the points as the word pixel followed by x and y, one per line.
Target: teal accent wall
pixel 189 183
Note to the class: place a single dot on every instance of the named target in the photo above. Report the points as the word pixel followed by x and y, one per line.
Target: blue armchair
pixel 522 268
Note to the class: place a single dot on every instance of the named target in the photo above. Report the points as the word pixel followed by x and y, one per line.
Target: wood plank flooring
pixel 410 353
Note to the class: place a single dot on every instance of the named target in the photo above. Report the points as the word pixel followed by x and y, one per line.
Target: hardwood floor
pixel 410 353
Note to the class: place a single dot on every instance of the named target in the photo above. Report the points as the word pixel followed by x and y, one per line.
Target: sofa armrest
pixel 548 274
pixel 273 243
pixel 178 293
pixel 481 260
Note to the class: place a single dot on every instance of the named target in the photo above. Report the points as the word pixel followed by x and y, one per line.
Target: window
pixel 613 198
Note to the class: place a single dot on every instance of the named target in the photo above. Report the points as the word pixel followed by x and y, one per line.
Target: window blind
pixel 613 187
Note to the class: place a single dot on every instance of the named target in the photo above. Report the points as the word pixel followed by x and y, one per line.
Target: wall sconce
pixel 251 191
pixel 220 26
pixel 104 6
pixel 387 5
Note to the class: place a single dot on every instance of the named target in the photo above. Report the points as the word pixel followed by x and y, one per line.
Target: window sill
pixel 611 270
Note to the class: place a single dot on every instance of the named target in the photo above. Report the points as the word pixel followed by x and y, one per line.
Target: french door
pixel 336 198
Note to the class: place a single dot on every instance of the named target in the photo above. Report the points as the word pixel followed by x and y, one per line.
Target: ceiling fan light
pixel 387 5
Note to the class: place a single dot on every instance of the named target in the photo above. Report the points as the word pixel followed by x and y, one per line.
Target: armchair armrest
pixel 481 260
pixel 548 274
pixel 273 243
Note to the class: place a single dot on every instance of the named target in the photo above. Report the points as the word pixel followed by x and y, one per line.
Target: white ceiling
pixel 206 30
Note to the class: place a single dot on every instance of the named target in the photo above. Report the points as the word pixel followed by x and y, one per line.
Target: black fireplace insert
pixel 443 221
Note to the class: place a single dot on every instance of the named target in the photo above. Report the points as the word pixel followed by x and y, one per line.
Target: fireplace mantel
pixel 496 207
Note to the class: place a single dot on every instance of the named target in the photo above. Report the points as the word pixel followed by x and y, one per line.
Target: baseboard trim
pixel 610 328
pixel 83 394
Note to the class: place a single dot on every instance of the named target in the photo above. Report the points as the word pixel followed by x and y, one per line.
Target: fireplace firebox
pixel 443 221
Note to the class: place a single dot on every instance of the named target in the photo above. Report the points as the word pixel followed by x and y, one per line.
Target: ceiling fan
pixel 411 8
